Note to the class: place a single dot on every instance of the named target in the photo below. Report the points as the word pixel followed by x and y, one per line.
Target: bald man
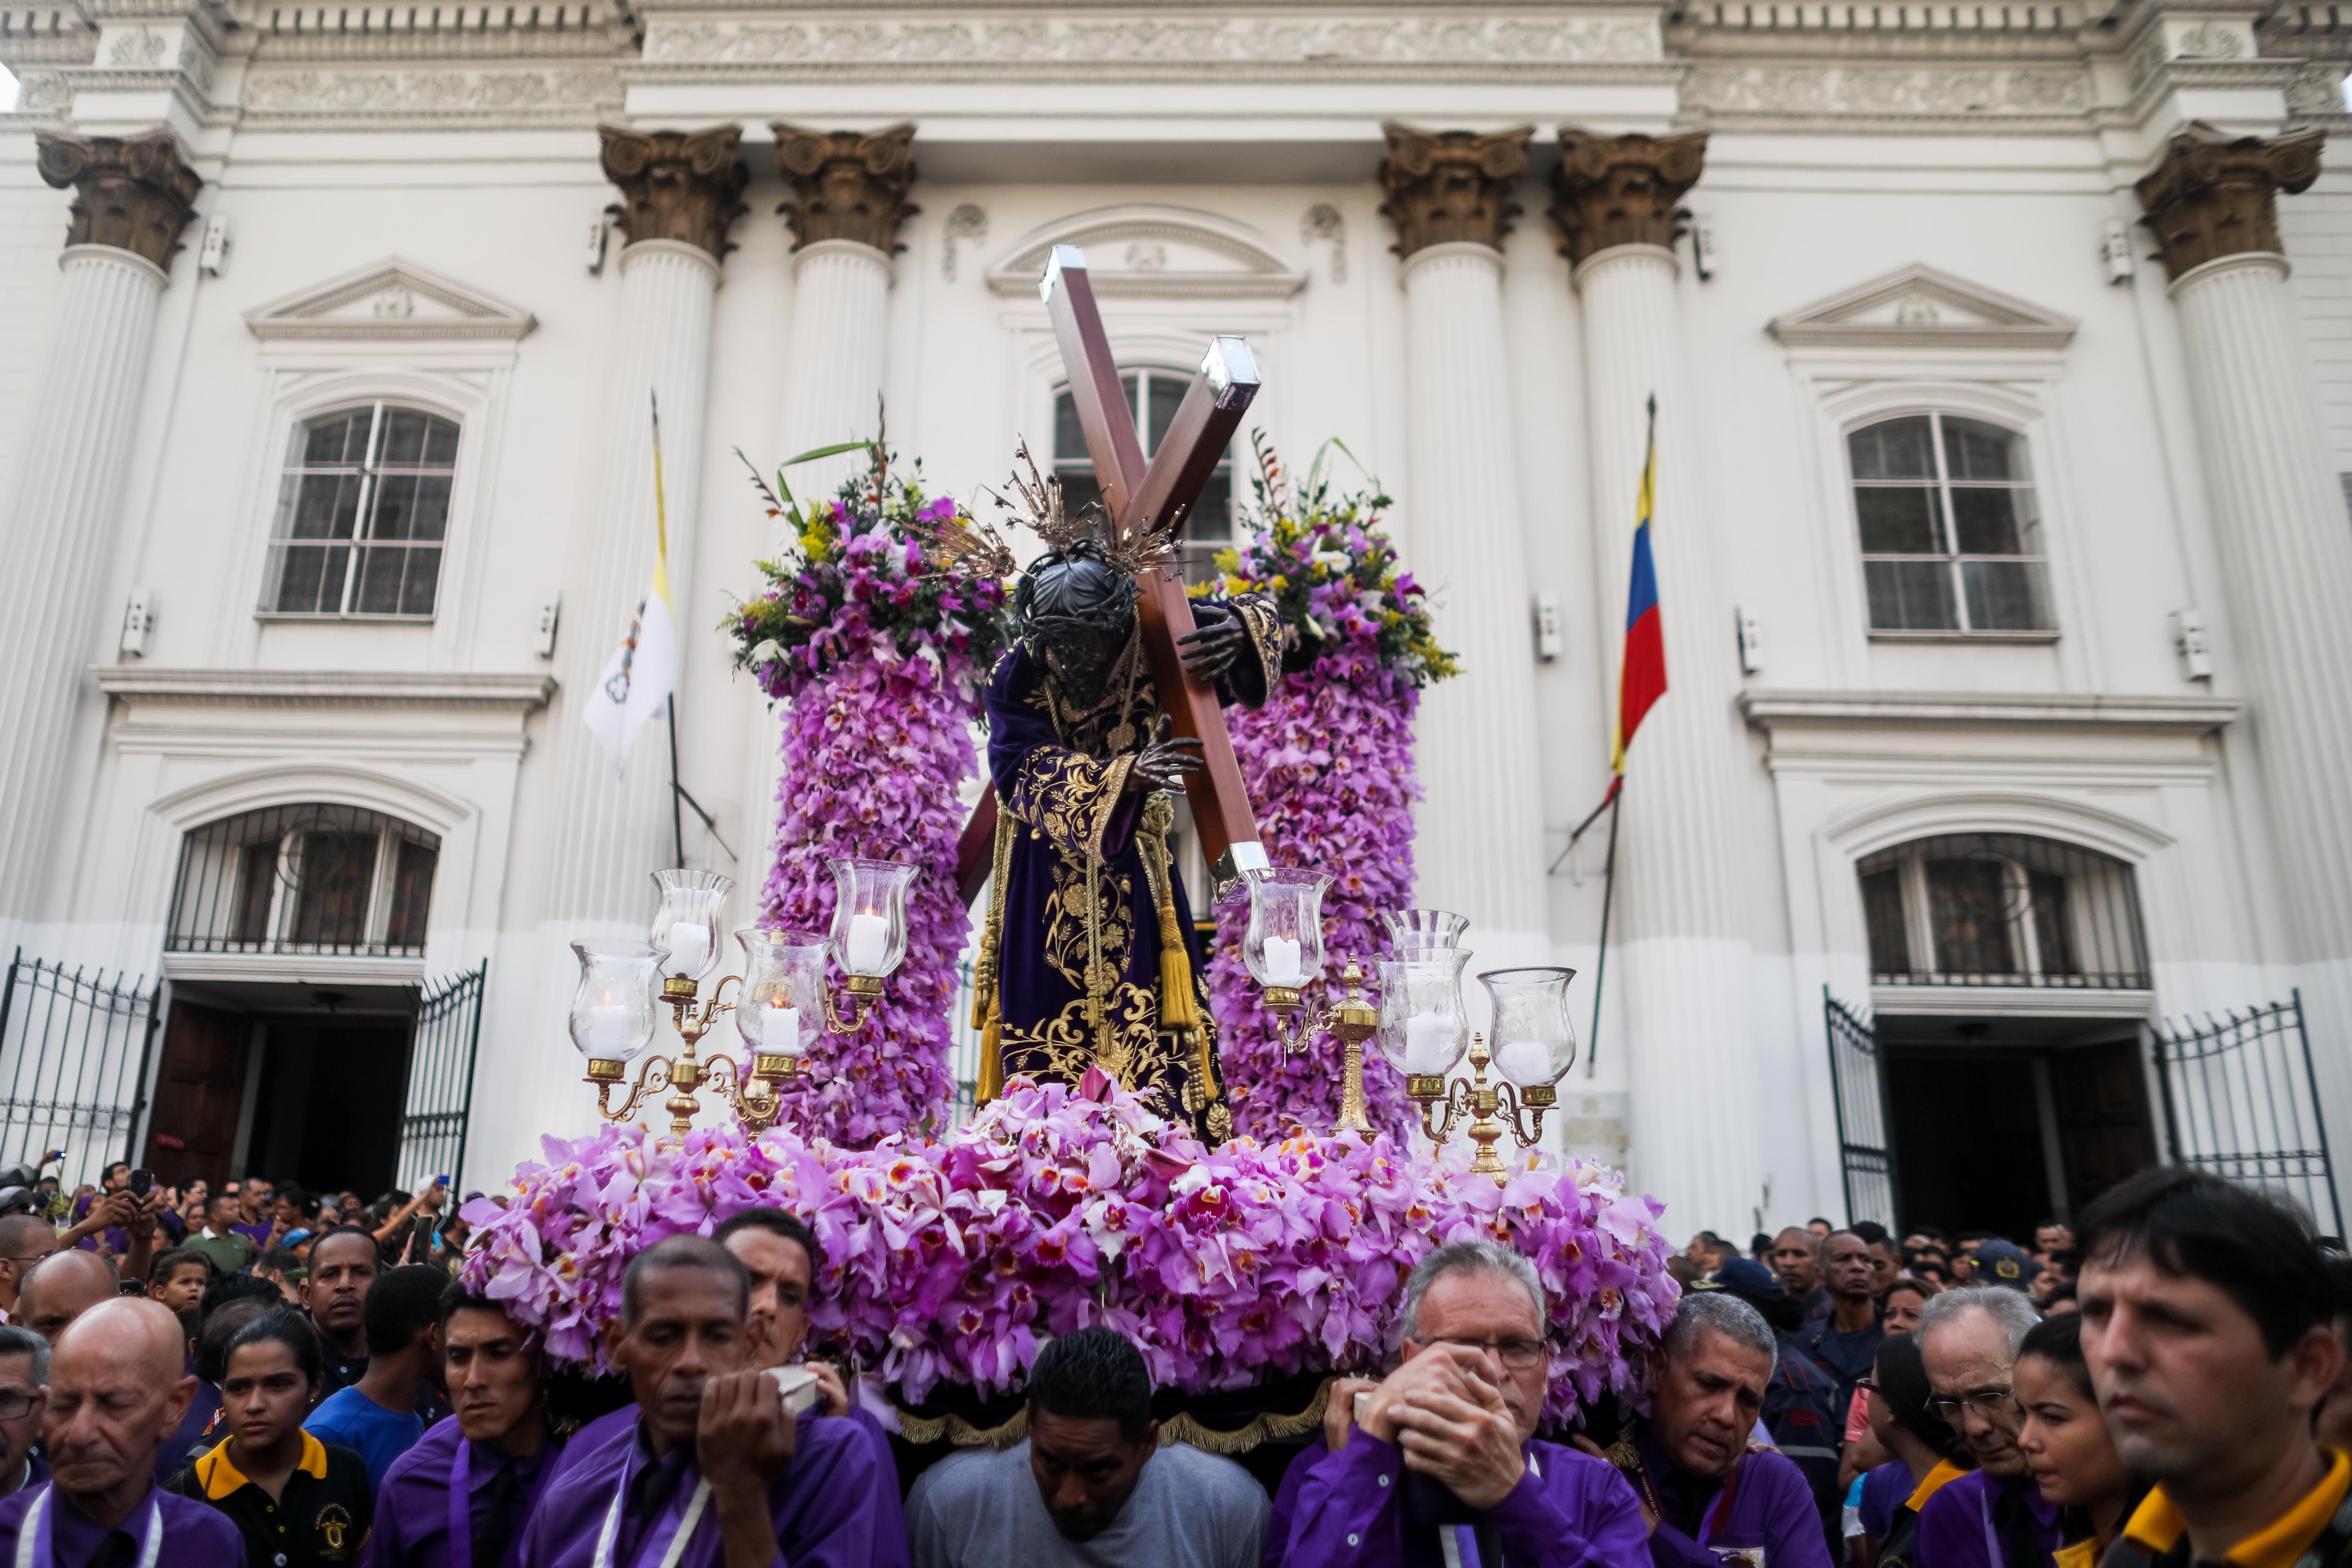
pixel 24 1240
pixel 64 1286
pixel 115 1392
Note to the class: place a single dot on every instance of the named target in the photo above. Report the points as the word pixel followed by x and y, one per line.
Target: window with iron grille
pixel 2001 909
pixel 1951 536
pixel 1153 398
pixel 362 510
pixel 313 879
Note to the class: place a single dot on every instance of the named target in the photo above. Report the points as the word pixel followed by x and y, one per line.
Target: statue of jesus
pixel 1089 956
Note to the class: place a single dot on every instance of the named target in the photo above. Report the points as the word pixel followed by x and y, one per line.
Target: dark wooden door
pixel 198 1092
pixel 2101 1097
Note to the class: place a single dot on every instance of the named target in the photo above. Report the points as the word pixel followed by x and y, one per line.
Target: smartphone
pixel 142 1182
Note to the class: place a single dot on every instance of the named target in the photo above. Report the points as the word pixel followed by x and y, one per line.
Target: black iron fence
pixel 445 1039
pixel 2241 1100
pixel 311 878
pixel 1858 1086
pixel 75 1050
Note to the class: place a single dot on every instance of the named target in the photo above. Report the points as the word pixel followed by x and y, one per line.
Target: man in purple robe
pixel 115 1391
pixel 1995 1516
pixel 1084 900
pixel 474 1476
pixel 1709 1492
pixel 714 1473
pixel 1444 1469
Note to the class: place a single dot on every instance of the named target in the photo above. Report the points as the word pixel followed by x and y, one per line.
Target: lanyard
pixel 461 1507
pixel 33 1549
pixel 1722 1515
pixel 1450 1537
pixel 612 1530
pixel 1993 1552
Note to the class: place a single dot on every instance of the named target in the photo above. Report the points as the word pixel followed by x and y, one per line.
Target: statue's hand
pixel 1164 763
pixel 1215 640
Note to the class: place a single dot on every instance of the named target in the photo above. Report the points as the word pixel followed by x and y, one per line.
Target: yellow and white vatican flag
pixel 637 683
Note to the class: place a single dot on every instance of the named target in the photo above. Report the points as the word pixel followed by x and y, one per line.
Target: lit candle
pixel 869 939
pixel 1282 963
pixel 1425 1051
pixel 608 1031
pixel 689 948
pixel 1527 1063
pixel 780 1029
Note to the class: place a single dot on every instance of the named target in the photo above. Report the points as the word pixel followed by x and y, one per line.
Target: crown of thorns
pixel 964 544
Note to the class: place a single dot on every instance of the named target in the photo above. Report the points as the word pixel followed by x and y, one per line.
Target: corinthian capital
pixel 1622 190
pixel 130 191
pixel 846 184
pixel 1446 186
pixel 2213 195
pixel 678 185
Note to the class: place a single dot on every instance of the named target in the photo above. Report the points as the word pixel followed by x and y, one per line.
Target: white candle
pixel 1425 1049
pixel 690 947
pixel 779 1030
pixel 1525 1063
pixel 608 1031
pixel 1282 963
pixel 869 939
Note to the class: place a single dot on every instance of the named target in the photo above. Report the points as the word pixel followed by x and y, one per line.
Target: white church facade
pixel 1995 833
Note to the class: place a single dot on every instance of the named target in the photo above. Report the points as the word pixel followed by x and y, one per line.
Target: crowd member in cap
pixel 1707 1492
pixel 24 1379
pixel 460 1496
pixel 1969 1339
pixel 714 1470
pixel 63 1287
pixel 378 1415
pixel 1928 1456
pixel 115 1389
pixel 1842 1343
pixel 178 1278
pixel 1090 1484
pixel 1797 1259
pixel 2006 1263
pixel 1447 1446
pixel 2066 1443
pixel 297 1501
pixel 2206 1322
pixel 24 1240
pixel 343 1267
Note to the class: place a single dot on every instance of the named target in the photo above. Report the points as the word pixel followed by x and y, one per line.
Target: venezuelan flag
pixel 1641 678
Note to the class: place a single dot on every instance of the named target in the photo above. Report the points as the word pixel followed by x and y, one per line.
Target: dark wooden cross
pixel 1141 496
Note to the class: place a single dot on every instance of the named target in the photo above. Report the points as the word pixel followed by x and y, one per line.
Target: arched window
pixel 1153 398
pixel 1951 536
pixel 2001 909
pixel 312 878
pixel 362 512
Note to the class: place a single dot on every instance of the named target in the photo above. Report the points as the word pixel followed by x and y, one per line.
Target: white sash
pixel 610 1533
pixel 1449 1535
pixel 33 1535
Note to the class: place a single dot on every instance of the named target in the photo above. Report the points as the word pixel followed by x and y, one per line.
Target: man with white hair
pixel 1442 1467
pixel 1709 1491
pixel 1994 1517
pixel 116 1391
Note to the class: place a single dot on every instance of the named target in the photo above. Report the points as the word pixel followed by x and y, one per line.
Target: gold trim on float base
pixel 1180 1427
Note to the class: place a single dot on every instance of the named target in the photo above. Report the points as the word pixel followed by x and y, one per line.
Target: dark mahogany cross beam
pixel 1142 497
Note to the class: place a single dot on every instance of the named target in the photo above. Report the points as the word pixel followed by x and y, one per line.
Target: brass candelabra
pixel 1352 1021
pixel 755 1097
pixel 1521 1109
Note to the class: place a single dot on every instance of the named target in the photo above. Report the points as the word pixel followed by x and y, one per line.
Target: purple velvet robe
pixel 1061 776
pixel 824 1509
pixel 412 1508
pixel 195 1534
pixel 1570 1511
pixel 1958 1528
pixel 1772 1508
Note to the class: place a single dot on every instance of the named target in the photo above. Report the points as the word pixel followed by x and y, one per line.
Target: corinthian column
pixel 1692 1077
pixel 1478 835
pixel 131 198
pixel 2278 521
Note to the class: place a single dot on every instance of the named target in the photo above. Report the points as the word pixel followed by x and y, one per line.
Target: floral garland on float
pixel 1328 761
pixel 947 1263
pixel 880 657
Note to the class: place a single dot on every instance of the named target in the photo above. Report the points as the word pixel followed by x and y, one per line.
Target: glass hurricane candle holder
pixel 1420 931
pixel 783 999
pixel 1424 1028
pixel 613 1007
pixel 869 919
pixel 1283 947
pixel 686 928
pixel 1535 1039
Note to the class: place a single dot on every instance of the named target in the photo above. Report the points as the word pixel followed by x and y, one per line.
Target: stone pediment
pixel 1154 252
pixel 1918 307
pixel 389 301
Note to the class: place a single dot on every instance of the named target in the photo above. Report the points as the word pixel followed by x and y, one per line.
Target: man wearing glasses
pixel 1970 1340
pixel 1442 1466
pixel 24 1374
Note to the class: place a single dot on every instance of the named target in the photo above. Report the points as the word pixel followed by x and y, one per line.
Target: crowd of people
pixel 2165 1385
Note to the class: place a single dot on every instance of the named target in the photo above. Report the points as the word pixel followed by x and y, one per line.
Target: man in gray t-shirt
pixel 1091 1488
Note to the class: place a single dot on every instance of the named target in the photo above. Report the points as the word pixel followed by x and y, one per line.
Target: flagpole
pixel 1608 896
pixel 661 541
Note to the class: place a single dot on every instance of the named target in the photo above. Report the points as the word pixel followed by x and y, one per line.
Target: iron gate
pixel 1858 1086
pixel 442 1046
pixel 74 1049
pixel 2239 1101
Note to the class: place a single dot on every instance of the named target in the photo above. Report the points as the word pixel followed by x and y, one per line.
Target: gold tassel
pixel 992 1060
pixel 987 998
pixel 1180 1011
